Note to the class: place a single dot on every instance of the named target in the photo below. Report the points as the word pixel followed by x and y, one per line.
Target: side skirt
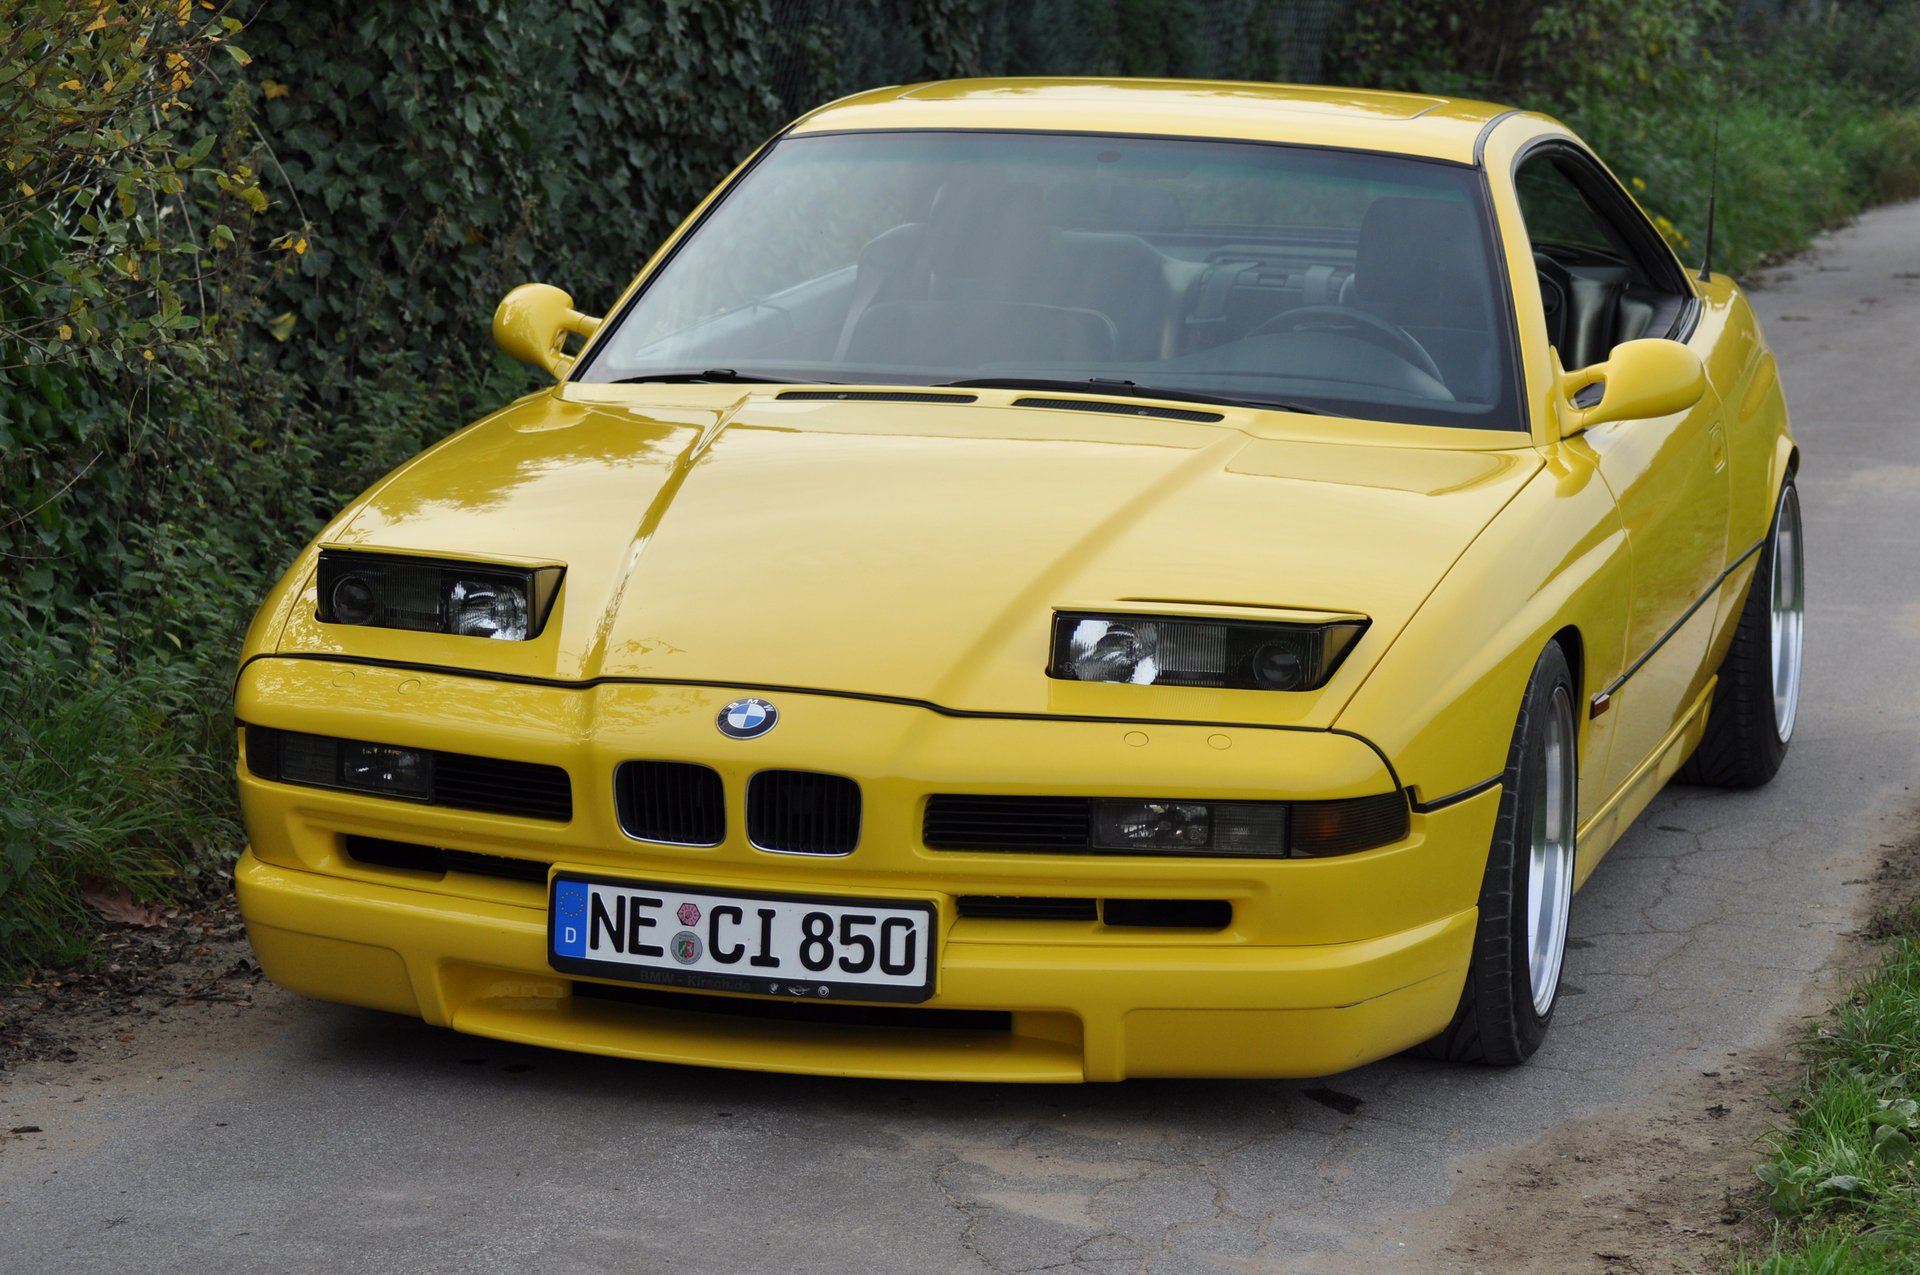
pixel 1598 834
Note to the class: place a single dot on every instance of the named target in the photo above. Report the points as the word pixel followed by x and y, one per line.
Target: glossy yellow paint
pixel 889 577
pixel 532 322
pixel 1640 379
pixel 669 577
pixel 1401 123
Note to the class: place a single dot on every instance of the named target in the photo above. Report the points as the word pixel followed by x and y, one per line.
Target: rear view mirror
pixel 532 322
pixel 1640 379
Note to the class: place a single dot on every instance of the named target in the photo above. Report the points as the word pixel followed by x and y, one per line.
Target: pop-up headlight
pixel 471 599
pixel 1181 651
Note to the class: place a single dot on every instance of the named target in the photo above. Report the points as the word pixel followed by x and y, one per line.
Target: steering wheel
pixel 1372 328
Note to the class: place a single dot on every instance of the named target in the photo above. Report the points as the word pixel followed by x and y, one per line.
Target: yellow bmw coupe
pixel 1045 581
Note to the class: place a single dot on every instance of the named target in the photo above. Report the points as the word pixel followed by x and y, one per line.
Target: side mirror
pixel 1640 379
pixel 532 323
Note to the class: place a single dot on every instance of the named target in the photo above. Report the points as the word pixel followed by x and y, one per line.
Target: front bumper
pixel 1327 963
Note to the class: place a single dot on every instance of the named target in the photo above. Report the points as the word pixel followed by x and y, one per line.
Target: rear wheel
pixel 1521 939
pixel 1758 695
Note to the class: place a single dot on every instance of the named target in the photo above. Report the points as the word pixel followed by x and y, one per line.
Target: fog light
pixel 1152 825
pixel 399 772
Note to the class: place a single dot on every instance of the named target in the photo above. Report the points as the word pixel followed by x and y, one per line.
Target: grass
pixel 1790 166
pixel 1842 1177
pixel 113 781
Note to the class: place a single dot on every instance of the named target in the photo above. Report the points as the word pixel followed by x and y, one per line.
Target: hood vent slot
pixel 872 396
pixel 1119 409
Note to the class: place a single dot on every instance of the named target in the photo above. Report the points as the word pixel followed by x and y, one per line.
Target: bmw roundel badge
pixel 747 719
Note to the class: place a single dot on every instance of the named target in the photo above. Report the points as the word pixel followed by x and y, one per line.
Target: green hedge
pixel 1812 106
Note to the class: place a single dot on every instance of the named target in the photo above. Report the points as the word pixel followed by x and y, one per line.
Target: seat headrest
pixel 991 234
pixel 1422 262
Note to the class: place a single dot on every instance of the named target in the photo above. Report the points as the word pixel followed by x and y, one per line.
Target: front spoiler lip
pixel 1091 1011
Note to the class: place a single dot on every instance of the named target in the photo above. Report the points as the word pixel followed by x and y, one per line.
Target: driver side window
pixel 1594 288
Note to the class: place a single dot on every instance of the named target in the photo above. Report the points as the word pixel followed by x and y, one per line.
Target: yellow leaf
pixel 186 12
pixel 66 332
pixel 72 86
pixel 274 89
pixel 26 190
pixel 280 327
pixel 97 24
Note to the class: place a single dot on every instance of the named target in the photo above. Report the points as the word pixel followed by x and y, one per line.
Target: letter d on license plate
pixel 788 945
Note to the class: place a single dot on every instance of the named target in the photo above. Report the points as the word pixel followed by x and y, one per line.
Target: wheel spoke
pixel 1550 866
pixel 1787 616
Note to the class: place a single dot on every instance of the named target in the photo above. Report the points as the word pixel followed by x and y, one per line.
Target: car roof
pixel 1315 115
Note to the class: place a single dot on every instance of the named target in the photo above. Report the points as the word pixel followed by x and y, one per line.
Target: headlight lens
pixel 1113 651
pixel 389 591
pixel 1178 651
pixel 488 609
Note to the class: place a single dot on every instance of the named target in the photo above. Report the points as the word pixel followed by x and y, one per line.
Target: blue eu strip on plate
pixel 570 918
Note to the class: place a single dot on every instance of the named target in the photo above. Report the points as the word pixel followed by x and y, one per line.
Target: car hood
pixel 917 550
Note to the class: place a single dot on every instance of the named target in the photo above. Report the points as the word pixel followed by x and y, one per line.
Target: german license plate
pixel 794 946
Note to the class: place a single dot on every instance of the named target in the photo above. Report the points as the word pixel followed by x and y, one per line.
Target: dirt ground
pixel 1663 1186
pixel 193 971
pixel 1666 1185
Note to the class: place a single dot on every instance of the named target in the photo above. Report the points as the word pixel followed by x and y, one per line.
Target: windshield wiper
pixel 1123 389
pixel 713 376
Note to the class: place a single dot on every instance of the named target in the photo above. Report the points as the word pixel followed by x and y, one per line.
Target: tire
pixel 1757 698
pixel 1513 981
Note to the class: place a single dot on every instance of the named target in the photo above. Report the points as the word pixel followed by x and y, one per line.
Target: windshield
pixel 1342 282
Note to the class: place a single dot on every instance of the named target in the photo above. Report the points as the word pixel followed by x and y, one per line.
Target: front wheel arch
pixel 1519 945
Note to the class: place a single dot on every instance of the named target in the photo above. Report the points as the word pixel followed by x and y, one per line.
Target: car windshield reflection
pixel 1341 282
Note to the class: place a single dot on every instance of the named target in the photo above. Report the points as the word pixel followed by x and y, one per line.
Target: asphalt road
pixel 313 1137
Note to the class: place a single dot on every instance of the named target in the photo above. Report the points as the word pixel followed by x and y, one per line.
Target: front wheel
pixel 1758 695
pixel 1521 939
